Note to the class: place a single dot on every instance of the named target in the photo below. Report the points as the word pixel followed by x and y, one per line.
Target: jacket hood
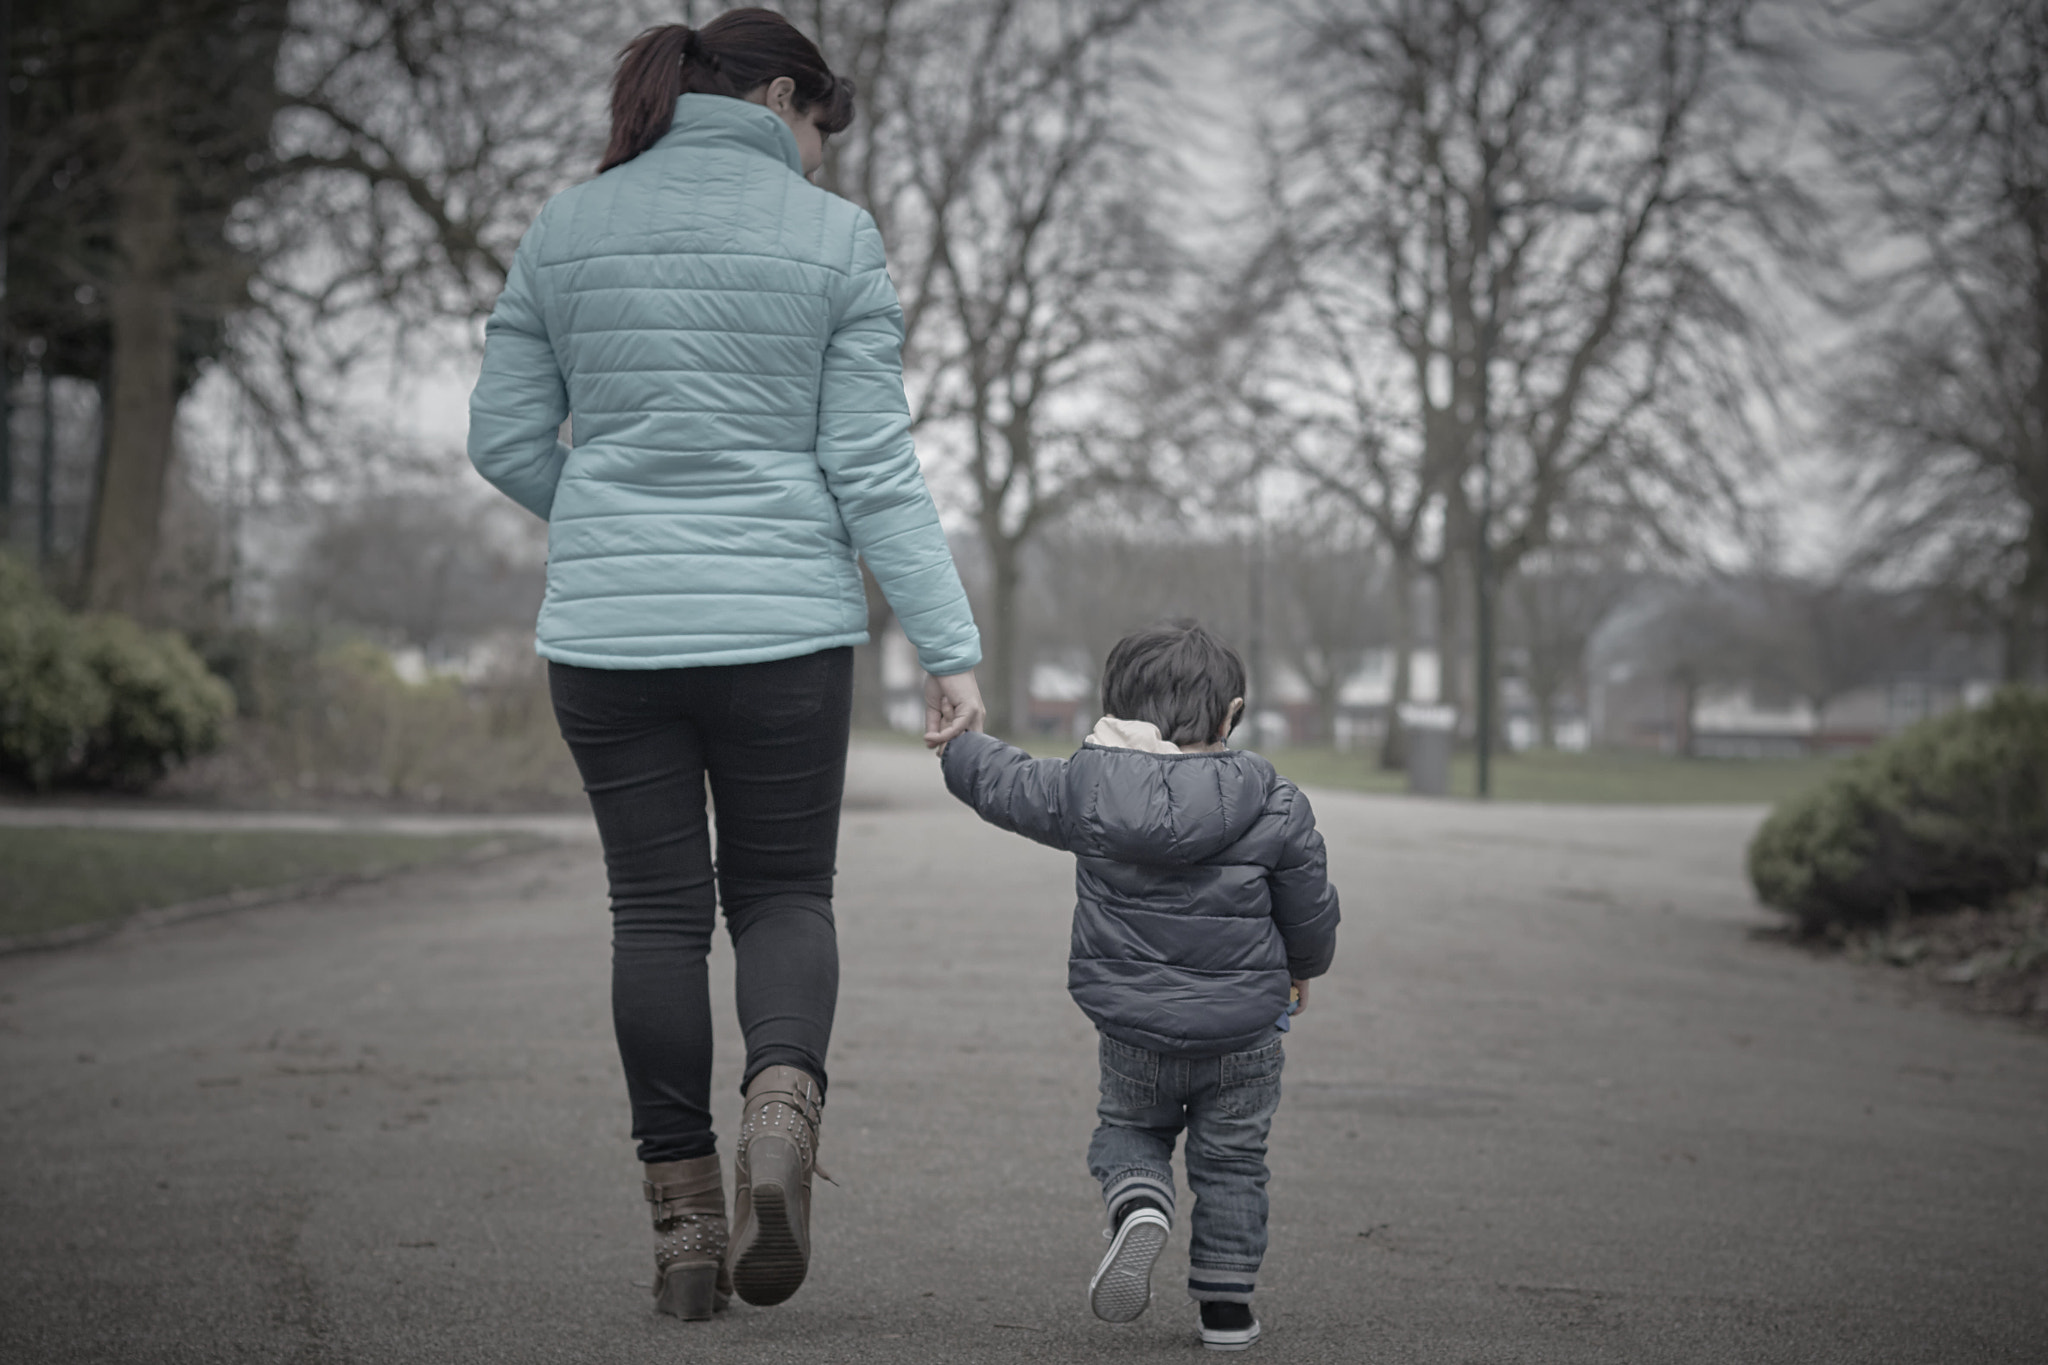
pixel 1113 733
pixel 1138 807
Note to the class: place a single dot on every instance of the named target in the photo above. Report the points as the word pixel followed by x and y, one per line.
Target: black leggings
pixel 772 736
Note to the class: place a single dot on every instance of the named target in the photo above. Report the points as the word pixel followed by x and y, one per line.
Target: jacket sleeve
pixel 870 464
pixel 1007 787
pixel 1304 902
pixel 520 400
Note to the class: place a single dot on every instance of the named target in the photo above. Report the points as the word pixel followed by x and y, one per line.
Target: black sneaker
pixel 1122 1286
pixel 1228 1326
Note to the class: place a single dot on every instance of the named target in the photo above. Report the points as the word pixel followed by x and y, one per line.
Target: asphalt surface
pixel 1555 1103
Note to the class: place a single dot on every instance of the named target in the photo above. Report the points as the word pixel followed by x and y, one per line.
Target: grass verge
pixel 52 879
pixel 1599 777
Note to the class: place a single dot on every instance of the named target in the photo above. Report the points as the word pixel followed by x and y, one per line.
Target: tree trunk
pixel 1493 681
pixel 142 403
pixel 2026 630
pixel 1452 689
pixel 1393 752
pixel 1004 685
pixel 46 477
pixel 6 399
pixel 1255 602
pixel 1546 716
pixel 1688 705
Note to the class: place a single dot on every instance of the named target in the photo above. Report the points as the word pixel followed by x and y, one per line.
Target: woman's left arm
pixel 520 400
pixel 870 465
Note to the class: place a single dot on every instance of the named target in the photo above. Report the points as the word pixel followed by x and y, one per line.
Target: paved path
pixel 1553 1105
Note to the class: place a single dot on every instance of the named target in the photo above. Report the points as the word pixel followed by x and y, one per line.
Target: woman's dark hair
pixel 738 52
pixel 1178 676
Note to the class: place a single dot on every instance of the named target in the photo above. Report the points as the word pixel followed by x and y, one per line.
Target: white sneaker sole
pixel 1231 1341
pixel 1122 1286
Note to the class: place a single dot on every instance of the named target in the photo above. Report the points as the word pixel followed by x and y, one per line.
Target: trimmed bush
pixel 1952 812
pixel 51 702
pixel 336 719
pixel 96 700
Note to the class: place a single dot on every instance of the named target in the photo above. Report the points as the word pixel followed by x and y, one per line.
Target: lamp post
pixel 1482 420
pixel 1261 411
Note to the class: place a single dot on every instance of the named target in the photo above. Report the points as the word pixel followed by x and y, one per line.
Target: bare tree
pixel 430 567
pixel 994 149
pixel 867 42
pixel 1693 635
pixel 1822 638
pixel 1555 603
pixel 996 155
pixel 1333 595
pixel 277 186
pixel 140 131
pixel 1946 410
pixel 415 141
pixel 1525 228
pixel 1094 579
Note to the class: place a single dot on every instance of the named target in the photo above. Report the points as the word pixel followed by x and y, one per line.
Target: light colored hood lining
pixel 1112 732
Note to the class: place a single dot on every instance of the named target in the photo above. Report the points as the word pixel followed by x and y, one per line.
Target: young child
pixel 1202 899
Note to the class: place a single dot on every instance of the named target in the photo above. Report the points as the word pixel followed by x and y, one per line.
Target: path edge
pixel 162 916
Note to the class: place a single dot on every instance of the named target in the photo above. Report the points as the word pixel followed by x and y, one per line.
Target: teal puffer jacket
pixel 727 338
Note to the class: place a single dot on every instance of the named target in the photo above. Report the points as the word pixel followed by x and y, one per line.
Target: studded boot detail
pixel 777 1152
pixel 689 1237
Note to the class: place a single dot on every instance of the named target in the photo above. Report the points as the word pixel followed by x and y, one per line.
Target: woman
pixel 725 341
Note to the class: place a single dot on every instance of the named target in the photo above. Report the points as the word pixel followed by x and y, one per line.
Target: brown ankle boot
pixel 689 1237
pixel 771 1205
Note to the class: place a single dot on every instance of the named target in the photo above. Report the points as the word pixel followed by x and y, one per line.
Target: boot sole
pixel 1230 1341
pixel 771 1262
pixel 1122 1287
pixel 689 1292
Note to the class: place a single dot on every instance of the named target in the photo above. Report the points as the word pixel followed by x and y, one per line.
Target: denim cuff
pixel 1121 1188
pixel 1216 1284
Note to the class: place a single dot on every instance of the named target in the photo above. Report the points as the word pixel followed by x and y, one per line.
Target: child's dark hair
pixel 739 51
pixel 1179 677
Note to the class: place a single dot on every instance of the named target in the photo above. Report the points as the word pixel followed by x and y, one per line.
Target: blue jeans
pixel 1225 1104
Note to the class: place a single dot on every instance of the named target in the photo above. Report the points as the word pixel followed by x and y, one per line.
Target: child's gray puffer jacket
pixel 1200 883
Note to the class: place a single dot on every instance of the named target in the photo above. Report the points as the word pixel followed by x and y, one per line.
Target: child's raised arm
pixel 1007 787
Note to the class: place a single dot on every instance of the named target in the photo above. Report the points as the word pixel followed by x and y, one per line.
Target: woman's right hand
pixel 952 707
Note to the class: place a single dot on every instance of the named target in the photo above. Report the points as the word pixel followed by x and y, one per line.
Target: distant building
pixel 1659 681
pixel 1635 709
pixel 1629 702
pixel 1061 700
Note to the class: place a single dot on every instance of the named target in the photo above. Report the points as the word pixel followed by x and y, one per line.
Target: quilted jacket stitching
pixel 744 184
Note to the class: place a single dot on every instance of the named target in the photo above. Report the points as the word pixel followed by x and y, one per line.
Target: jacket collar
pixel 722 122
pixel 1111 732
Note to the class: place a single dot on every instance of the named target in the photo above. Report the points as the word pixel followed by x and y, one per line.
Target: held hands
pixel 952 707
pixel 1300 1006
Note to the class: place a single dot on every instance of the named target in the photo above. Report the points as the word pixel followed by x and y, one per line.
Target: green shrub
pixel 1954 811
pixel 96 699
pixel 51 702
pixel 334 719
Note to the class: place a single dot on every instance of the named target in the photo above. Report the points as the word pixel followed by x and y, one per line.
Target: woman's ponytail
pixel 739 51
pixel 645 90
